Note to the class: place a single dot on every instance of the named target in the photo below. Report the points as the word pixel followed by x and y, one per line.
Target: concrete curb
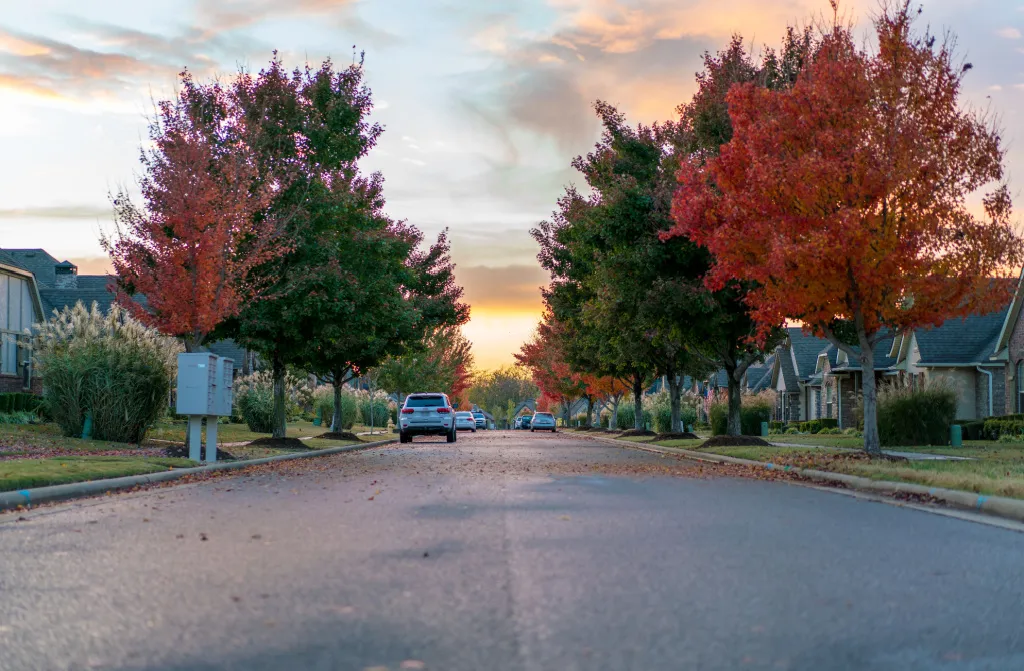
pixel 999 506
pixel 74 490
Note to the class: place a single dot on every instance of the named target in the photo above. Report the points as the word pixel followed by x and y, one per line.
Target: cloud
pixel 58 212
pixel 414 161
pixel 505 289
pixel 92 265
pixel 1009 33
pixel 227 15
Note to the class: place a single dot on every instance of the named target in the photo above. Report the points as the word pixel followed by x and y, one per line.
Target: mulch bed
pixel 675 436
pixel 635 432
pixel 280 443
pixel 340 435
pixel 734 441
pixel 181 452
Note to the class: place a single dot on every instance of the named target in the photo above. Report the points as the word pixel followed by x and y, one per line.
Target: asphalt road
pixel 504 551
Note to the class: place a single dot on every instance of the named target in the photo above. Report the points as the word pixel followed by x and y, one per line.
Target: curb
pixel 999 506
pixel 74 490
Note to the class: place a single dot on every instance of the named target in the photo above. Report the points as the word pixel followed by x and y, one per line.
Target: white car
pixel 426 415
pixel 543 421
pixel 464 421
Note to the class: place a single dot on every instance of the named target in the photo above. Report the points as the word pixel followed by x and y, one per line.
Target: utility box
pixel 205 389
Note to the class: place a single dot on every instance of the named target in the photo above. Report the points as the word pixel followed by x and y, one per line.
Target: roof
pixel 228 349
pixel 966 341
pixel 806 349
pixel 36 261
pixel 91 289
pixel 882 359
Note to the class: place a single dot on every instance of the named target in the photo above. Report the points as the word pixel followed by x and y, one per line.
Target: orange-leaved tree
pixel 844 198
pixel 544 358
pixel 190 249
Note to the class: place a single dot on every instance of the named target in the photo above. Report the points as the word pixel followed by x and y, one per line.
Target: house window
pixel 1020 386
pixel 15 316
pixel 828 401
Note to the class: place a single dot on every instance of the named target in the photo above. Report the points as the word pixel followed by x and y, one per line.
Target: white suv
pixel 426 415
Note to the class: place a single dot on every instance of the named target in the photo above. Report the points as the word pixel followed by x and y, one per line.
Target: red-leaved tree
pixel 844 198
pixel 189 250
pixel 544 358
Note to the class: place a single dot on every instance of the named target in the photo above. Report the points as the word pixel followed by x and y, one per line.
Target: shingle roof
pixel 970 340
pixel 806 349
pixel 229 349
pixel 882 359
pixel 36 261
pixel 91 288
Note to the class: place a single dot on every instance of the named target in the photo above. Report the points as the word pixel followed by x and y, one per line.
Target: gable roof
pixel 971 340
pixel 806 349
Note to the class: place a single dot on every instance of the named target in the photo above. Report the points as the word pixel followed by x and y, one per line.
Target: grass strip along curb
pixel 998 506
pixel 38 495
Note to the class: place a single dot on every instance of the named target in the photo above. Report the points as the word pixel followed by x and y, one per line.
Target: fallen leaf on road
pixel 203 537
pixel 565 517
pixel 413 664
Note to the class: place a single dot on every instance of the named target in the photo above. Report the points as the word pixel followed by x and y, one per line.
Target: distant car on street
pixel 481 420
pixel 426 415
pixel 464 421
pixel 524 421
pixel 543 421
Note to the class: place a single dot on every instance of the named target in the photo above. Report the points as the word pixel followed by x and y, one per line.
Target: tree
pixel 442 362
pixel 729 330
pixel 844 197
pixel 545 358
pixel 203 227
pixel 628 303
pixel 307 130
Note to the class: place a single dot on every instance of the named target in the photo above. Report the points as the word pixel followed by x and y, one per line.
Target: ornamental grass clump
pixel 756 408
pixel 323 405
pixel 110 366
pixel 916 415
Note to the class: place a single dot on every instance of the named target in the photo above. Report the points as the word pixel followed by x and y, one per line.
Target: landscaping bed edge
pixel 29 497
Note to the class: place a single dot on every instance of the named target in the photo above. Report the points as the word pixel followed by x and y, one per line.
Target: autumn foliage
pixel 190 249
pixel 844 198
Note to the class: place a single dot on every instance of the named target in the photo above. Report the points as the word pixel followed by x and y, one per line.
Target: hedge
pixel 915 416
pixel 20 402
pixel 750 419
pixel 816 425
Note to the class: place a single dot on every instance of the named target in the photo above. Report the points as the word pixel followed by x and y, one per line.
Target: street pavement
pixel 502 551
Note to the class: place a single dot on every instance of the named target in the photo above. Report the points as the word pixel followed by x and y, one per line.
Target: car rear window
pixel 464 414
pixel 424 401
pixel 544 415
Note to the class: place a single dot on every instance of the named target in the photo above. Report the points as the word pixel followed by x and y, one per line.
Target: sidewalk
pixel 910 456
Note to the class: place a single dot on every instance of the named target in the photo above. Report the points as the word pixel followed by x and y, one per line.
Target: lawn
pixel 174 430
pixel 994 468
pixel 27 473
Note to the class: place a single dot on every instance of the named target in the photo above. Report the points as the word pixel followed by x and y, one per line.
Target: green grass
pixel 230 433
pixel 29 473
pixel 48 436
pixel 995 468
pixel 819 440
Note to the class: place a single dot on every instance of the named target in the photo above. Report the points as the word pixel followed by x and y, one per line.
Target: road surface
pixel 504 551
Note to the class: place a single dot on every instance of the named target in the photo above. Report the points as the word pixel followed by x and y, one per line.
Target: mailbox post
pixel 205 389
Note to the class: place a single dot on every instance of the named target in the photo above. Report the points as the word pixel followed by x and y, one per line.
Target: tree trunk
pixel 613 421
pixel 280 416
pixel 590 410
pixel 872 443
pixel 734 426
pixel 675 424
pixel 336 419
pixel 638 402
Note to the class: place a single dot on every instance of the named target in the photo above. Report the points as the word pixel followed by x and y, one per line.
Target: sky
pixel 484 104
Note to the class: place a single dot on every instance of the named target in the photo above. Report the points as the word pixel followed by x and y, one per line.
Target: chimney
pixel 65 275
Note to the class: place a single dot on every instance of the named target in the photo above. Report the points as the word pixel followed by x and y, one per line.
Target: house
pixel 57 284
pixel 21 306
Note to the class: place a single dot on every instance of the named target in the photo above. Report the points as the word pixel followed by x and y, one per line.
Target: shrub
pixel 852 432
pixel 323 404
pixel 777 426
pixel 20 402
pixel 379 408
pixel 19 417
pixel 1010 438
pixel 255 401
pixel 995 429
pixel 792 431
pixel 110 365
pixel 756 408
pixel 659 406
pixel 627 415
pixel 916 415
pixel 830 431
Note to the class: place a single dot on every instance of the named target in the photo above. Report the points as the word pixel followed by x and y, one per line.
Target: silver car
pixel 464 421
pixel 426 415
pixel 543 421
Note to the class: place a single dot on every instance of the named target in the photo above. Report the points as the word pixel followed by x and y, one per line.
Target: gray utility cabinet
pixel 205 389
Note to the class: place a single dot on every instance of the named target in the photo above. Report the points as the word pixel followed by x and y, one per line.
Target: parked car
pixel 426 415
pixel 543 421
pixel 517 423
pixel 464 421
pixel 524 421
pixel 481 420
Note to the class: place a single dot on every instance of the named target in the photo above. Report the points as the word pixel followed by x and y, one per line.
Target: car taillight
pixel 444 410
pixel 407 411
